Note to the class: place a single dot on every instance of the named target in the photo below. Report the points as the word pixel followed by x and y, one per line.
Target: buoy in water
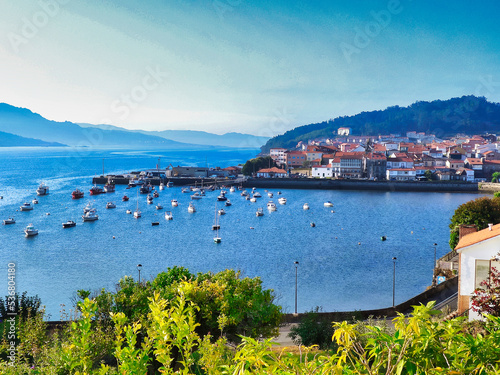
pixel 113 237
pixel 383 238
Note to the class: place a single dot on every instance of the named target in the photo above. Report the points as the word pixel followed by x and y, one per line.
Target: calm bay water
pixel 343 264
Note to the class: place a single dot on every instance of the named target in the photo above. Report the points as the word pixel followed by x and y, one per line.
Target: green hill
pixel 468 114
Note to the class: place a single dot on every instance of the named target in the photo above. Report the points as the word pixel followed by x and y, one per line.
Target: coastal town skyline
pixel 224 65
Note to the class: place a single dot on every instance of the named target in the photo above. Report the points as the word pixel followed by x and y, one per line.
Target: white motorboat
pixel 42 189
pixel 222 212
pixel 110 205
pixel 128 211
pixel 149 199
pixel 174 202
pixel 196 196
pixel 222 196
pixel 270 195
pixel 216 226
pixel 10 220
pixel 30 230
pixel 232 189
pixel 328 204
pixel 282 200
pixel 257 195
pixel 34 201
pixel 26 207
pixel 162 186
pixel 271 206
pixel 191 208
pixel 228 203
pixel 90 215
pixel 260 212
pixel 137 214
pixel 244 193
pixel 253 199
pixel 186 190
pixel 170 184
pixel 159 207
pixel 87 208
pixel 305 206
pixel 168 215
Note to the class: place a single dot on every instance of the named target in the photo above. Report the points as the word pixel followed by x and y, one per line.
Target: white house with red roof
pixel 322 171
pixel 401 174
pixel 477 252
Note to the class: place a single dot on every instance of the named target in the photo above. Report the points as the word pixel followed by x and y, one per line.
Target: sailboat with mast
pixel 216 226
pixel 137 212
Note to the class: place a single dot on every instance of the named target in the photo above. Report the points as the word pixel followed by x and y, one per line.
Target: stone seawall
pixel 489 186
pixel 308 183
pixel 439 293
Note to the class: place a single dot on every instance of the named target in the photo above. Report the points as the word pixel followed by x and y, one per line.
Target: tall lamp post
pixel 296 267
pixel 434 267
pixel 394 282
pixel 139 268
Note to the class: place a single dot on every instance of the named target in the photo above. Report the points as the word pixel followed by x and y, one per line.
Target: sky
pixel 259 67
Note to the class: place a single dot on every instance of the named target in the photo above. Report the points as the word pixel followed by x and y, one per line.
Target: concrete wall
pixel 308 183
pixel 489 186
pixel 438 293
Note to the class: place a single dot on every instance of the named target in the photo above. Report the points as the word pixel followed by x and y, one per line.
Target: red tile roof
pixel 476 237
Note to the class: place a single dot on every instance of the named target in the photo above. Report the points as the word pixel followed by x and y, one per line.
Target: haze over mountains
pixel 24 123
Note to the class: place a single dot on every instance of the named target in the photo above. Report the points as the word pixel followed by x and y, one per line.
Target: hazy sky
pixel 253 66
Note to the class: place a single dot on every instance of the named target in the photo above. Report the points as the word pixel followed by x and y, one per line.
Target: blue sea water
pixel 343 264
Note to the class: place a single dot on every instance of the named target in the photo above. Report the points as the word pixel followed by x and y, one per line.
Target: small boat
pixel 159 207
pixel 10 220
pixel 260 212
pixel 77 194
pixel 87 208
pixel 247 197
pixel 156 194
pixel 30 231
pixel 145 189
pixel 128 211
pixel 196 196
pixel 222 196
pixel 253 199
pixel 271 206
pixel 222 212
pixel 154 223
pixel 109 188
pixel 69 224
pixel 170 184
pixel 34 201
pixel 96 190
pixel 42 189
pixel 90 215
pixel 168 215
pixel 270 195
pixel 232 189
pixel 162 186
pixel 137 214
pixel 244 193
pixel 124 198
pixel 328 204
pixel 149 199
pixel 282 200
pixel 228 203
pixel 110 205
pixel 279 192
pixel 185 190
pixel 191 208
pixel 305 206
pixel 26 207
pixel 257 195
pixel 174 202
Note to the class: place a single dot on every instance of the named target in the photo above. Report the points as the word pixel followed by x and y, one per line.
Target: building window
pixel 483 270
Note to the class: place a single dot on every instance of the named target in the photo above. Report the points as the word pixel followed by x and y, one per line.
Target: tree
pixel 480 211
pixel 495 177
pixel 253 165
pixel 486 299
pixel 428 175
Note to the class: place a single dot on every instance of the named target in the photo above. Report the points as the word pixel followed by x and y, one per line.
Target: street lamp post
pixel 394 282
pixel 139 268
pixel 296 266
pixel 434 267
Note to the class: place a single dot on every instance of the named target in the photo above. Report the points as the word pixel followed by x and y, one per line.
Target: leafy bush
pixel 313 329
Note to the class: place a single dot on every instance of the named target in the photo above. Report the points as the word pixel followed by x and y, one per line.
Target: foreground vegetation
pixel 173 332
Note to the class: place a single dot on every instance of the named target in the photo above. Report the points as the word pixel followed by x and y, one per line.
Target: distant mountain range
pixel 468 114
pixel 24 123
pixel 198 137
pixel 12 140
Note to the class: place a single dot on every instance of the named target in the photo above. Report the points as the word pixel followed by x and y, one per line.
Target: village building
pixel 273 172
